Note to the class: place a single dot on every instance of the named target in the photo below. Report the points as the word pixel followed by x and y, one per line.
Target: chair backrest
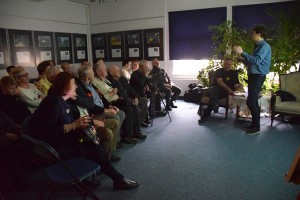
pixel 290 83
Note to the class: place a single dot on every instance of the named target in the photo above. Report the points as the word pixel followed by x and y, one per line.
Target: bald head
pixel 155 62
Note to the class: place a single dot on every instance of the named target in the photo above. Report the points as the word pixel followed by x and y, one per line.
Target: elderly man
pixel 164 84
pixel 225 82
pixel 130 102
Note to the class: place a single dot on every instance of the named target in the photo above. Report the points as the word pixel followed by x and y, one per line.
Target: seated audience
pixel 9 70
pixel 129 103
pixel 135 65
pixel 28 93
pixel 10 104
pixel 43 83
pixel 126 66
pixel 164 84
pixel 60 130
pixel 225 82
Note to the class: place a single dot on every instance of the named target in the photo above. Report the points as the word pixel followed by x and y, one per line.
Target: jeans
pixel 255 82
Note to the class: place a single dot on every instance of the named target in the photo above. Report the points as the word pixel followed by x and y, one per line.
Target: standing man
pixel 258 66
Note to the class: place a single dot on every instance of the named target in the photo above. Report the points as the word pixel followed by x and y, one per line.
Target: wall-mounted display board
pixel 134 45
pixel 153 44
pixel 44 46
pixel 63 43
pixel 99 47
pixel 4 53
pixel 80 47
pixel 21 48
pixel 115 46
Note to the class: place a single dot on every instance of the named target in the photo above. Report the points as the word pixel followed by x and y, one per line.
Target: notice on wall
pixel 134 52
pixel 64 55
pixel 81 54
pixel 116 53
pixel 23 57
pixel 46 55
pixel 100 53
pixel 153 52
pixel 1 58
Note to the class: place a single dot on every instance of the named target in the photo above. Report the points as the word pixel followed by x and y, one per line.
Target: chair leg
pixel 226 114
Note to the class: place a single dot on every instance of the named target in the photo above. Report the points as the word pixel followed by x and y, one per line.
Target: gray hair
pixel 83 70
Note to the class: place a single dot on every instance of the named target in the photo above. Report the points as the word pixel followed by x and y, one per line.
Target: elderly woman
pixel 28 93
pixel 60 130
pixel 10 103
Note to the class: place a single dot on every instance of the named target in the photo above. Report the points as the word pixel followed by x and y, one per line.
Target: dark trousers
pixel 215 93
pixel 132 121
pixel 176 92
pixel 255 82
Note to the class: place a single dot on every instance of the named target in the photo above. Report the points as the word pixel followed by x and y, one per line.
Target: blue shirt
pixel 260 61
pixel 97 99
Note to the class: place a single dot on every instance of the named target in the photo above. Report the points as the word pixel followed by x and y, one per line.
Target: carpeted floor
pixel 182 160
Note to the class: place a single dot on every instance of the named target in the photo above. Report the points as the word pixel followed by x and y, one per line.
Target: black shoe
pixel 253 131
pixel 172 105
pixel 168 108
pixel 130 140
pixel 203 119
pixel 140 136
pixel 144 125
pixel 147 120
pixel 115 158
pixel 125 184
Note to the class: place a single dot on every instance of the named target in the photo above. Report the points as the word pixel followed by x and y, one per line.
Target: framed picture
pixel 134 45
pixel 21 47
pixel 116 46
pixel 80 47
pixel 64 51
pixel 44 46
pixel 99 47
pixel 4 53
pixel 153 44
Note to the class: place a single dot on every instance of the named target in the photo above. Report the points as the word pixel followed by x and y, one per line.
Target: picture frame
pixel 116 46
pixel 44 46
pixel 99 47
pixel 21 48
pixel 80 47
pixel 4 53
pixel 64 50
pixel 153 44
pixel 134 45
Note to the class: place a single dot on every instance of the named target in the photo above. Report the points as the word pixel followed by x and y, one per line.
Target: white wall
pixel 47 15
pixel 143 14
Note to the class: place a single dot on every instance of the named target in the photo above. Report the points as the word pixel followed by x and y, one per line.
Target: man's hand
pixel 230 92
pixel 238 50
pixel 167 86
pixel 115 108
pixel 110 111
pixel 98 123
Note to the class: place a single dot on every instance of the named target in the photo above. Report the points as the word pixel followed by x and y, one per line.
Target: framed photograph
pixel 21 40
pixel 133 39
pixel 99 41
pixel 44 41
pixel 116 46
pixel 153 38
pixel 21 48
pixel 64 50
pixel 4 53
pixel 80 47
pixel 134 45
pixel 44 46
pixel 99 47
pixel 64 42
pixel 153 44
pixel 115 40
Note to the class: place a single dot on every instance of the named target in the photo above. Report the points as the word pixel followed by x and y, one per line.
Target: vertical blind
pixel 189 34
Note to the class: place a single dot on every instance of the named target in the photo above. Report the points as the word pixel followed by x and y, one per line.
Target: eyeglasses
pixel 24 75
